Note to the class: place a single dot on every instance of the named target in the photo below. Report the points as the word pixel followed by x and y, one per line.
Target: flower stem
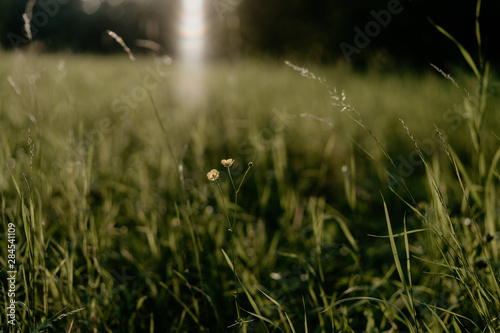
pixel 231 232
pixel 224 205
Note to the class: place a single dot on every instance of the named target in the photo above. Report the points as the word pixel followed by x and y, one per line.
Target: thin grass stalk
pixel 306 329
pixel 409 289
pixel 282 313
pixel 231 242
pixel 403 317
pixel 353 114
pixel 233 225
pixel 324 301
pixel 406 286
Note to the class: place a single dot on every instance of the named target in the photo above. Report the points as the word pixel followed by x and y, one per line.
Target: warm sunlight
pixel 192 30
pixel 191 48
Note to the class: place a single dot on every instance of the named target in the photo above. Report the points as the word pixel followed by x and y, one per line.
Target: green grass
pixel 337 227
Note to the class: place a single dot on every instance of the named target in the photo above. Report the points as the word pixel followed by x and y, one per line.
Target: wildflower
pixel 213 175
pixel 227 163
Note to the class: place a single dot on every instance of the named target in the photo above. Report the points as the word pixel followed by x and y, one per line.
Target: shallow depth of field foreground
pixel 354 202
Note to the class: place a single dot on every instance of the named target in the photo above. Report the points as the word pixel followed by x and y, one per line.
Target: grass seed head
pixel 27 26
pixel 120 41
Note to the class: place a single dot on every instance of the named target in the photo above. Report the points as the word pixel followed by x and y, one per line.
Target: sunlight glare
pixel 192 30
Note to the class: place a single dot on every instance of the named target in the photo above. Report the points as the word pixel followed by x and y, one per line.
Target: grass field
pixel 349 219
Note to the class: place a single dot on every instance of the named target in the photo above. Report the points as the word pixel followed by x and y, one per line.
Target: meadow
pixel 357 202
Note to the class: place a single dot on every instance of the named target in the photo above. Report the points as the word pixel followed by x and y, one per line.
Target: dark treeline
pixel 377 33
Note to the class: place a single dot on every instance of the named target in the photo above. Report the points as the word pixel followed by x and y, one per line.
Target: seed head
pixel 120 41
pixel 213 175
pixel 250 164
pixel 227 163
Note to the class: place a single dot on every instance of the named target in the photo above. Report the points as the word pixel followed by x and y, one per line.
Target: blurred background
pixel 294 29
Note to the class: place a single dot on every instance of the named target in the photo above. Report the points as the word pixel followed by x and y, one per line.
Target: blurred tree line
pixel 383 33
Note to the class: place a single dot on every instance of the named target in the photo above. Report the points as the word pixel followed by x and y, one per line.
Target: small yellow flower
pixel 213 175
pixel 227 163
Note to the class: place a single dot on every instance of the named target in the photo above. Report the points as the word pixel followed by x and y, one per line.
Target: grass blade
pixel 367 298
pixel 393 245
pixel 279 307
pixel 464 52
pixel 305 316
